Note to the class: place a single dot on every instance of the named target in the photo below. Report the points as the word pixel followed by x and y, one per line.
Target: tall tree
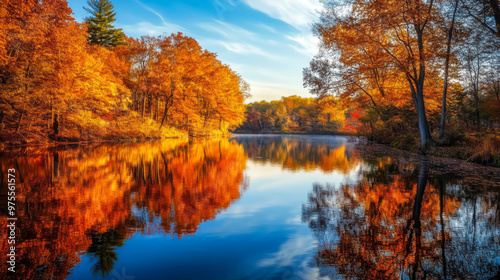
pixel 446 70
pixel 100 27
pixel 377 36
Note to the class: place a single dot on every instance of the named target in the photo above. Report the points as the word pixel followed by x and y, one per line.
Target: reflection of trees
pixel 91 199
pixel 193 184
pixel 391 226
pixel 102 251
pixel 298 153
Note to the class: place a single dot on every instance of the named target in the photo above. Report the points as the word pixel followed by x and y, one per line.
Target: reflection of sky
pixel 260 236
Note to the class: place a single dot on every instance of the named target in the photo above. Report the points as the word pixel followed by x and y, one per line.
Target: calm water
pixel 250 207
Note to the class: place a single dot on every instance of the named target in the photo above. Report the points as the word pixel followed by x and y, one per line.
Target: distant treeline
pixel 61 80
pixel 299 114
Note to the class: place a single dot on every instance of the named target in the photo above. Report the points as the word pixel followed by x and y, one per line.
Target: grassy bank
pixel 477 147
pixel 123 129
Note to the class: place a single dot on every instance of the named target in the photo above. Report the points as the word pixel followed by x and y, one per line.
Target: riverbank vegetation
pixel 295 114
pixel 61 80
pixel 423 75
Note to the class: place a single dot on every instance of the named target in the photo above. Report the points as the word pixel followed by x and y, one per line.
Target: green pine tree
pixel 100 27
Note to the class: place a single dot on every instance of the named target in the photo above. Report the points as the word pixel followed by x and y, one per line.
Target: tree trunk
pixel 143 106
pixel 2 114
pixel 423 125
pixel 476 104
pixel 496 13
pixel 446 72
pixel 56 125
pixel 421 183
pixel 443 236
pixel 157 111
pixel 49 120
pixel 150 99
pixel 165 112
pixel 19 122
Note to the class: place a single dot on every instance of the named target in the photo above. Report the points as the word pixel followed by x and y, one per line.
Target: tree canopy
pixel 61 80
pixel 100 24
pixel 410 66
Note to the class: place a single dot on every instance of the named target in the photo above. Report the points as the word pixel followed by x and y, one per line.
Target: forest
pixel 422 74
pixel 295 114
pixel 417 75
pixel 65 81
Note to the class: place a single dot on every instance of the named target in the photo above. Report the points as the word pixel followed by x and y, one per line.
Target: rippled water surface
pixel 250 207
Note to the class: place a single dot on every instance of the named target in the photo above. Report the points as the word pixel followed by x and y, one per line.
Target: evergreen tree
pixel 100 27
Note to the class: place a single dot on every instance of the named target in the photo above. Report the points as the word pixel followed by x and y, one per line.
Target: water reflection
pixel 399 222
pixel 301 153
pixel 89 200
pixel 93 211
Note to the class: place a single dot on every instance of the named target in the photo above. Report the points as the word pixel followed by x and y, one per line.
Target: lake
pixel 250 207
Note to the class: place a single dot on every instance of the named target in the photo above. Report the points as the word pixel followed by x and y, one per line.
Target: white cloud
pixel 308 44
pixel 289 251
pixel 296 252
pixel 227 30
pixel 242 48
pixel 148 28
pixel 268 28
pixel 151 10
pixel 297 13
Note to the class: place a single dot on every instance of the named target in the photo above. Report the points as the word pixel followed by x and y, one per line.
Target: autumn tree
pixel 100 24
pixel 141 54
pixel 295 113
pixel 41 46
pixel 376 36
pixel 197 92
pixel 57 85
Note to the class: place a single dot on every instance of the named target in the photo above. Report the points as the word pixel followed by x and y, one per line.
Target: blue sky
pixel 268 42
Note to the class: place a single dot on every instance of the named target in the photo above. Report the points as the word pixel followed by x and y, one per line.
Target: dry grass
pixel 482 148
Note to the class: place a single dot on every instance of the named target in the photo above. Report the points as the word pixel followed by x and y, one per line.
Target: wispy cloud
pixel 242 48
pixel 146 7
pixel 297 13
pixel 227 30
pixel 148 28
pixel 268 28
pixel 223 6
pixel 307 43
pixel 289 251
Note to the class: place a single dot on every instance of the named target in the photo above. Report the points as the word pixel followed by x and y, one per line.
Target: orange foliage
pixel 380 231
pixel 54 85
pixel 69 196
pixel 184 85
pixel 294 154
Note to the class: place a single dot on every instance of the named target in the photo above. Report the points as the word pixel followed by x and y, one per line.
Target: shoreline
pixel 433 151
